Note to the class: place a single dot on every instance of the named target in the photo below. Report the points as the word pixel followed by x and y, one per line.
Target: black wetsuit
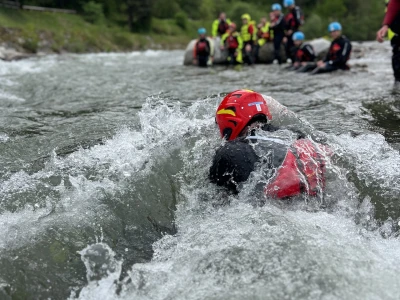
pixel 293 21
pixel 305 53
pixel 203 51
pixel 289 165
pixel 235 160
pixel 337 57
pixel 279 33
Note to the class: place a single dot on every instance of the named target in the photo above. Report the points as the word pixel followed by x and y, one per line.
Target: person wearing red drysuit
pixel 392 21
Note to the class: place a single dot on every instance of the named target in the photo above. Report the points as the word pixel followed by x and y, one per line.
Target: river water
pixel 104 192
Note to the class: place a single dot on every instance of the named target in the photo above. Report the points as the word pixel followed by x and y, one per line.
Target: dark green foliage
pixel 314 26
pixel 360 18
pixel 93 12
pixel 181 19
pixel 139 14
pixel 238 9
pixel 165 9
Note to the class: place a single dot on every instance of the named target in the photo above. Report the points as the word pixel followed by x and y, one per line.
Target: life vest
pixel 217 27
pixel 288 167
pixel 223 26
pixel 232 42
pixel 248 32
pixel 302 171
pixel 264 34
pixel 305 55
pixel 294 19
pixel 340 49
pixel 202 47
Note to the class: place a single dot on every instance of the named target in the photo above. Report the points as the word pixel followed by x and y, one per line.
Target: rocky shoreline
pixel 10 54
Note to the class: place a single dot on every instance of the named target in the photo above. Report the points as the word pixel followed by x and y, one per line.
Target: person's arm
pixel 297 16
pixel 310 51
pixel 393 10
pixel 210 47
pixel 214 29
pixel 195 50
pixel 252 32
pixel 222 42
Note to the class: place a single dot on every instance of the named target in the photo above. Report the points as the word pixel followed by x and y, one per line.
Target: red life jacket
pixel 202 47
pixel 222 27
pixel 290 20
pixel 300 55
pixel 334 50
pixel 303 171
pixel 232 42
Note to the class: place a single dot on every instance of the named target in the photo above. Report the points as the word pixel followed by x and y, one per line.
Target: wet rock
pixel 10 54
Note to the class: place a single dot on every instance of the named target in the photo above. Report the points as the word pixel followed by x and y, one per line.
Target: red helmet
pixel 233 25
pixel 237 109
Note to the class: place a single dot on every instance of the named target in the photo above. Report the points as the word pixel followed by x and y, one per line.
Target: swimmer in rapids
pixel 291 163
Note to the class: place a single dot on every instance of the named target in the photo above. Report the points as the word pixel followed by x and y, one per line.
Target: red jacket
pixel 393 10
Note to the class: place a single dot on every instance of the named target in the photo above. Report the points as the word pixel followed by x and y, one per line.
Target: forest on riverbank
pixel 123 25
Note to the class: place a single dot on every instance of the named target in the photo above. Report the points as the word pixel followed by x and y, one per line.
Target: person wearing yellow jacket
pixel 390 33
pixel 220 26
pixel 248 33
pixel 233 43
pixel 264 34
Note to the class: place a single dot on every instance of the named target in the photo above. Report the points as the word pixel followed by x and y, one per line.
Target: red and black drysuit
pixel 305 53
pixel 202 51
pixel 337 56
pixel 293 19
pixel 392 19
pixel 289 170
pixel 278 28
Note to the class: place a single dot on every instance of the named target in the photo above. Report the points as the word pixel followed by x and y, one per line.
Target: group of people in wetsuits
pixel 243 46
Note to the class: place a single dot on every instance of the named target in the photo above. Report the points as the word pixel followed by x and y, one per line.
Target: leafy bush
pixel 240 8
pixel 93 12
pixel 165 9
pixel 314 27
pixel 181 19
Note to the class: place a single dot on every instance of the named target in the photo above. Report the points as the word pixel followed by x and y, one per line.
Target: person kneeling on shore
pixel 338 54
pixel 290 163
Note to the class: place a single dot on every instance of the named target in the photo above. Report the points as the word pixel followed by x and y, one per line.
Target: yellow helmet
pixel 246 16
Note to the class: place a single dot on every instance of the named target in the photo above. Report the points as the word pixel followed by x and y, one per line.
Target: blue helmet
pixel 334 26
pixel 202 30
pixel 287 3
pixel 276 6
pixel 298 36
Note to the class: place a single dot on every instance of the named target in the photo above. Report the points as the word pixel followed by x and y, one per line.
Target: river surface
pixel 104 193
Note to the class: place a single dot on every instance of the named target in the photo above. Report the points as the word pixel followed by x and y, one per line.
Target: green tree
pixel 139 15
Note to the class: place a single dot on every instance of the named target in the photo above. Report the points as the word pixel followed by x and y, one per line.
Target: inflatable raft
pixel 266 53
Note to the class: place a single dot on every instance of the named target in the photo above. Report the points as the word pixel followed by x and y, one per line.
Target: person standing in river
pixel 203 51
pixel 392 21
